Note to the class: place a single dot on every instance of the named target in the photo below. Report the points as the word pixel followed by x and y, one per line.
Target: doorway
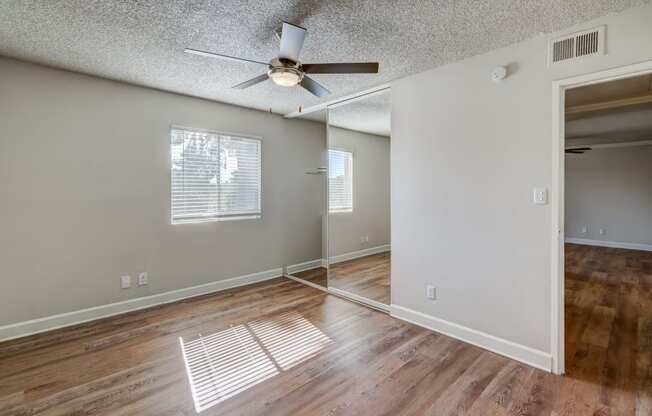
pixel 602 224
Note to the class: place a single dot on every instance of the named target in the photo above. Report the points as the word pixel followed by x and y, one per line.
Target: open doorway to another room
pixel 608 232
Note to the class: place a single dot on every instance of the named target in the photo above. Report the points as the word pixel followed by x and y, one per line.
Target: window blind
pixel 214 176
pixel 340 181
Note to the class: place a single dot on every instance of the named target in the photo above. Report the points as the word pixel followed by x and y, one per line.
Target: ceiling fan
pixel 577 150
pixel 287 71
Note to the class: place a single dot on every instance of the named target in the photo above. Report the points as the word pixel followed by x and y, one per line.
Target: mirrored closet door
pixel 310 266
pixel 359 241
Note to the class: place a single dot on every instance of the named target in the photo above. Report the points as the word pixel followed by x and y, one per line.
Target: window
pixel 340 181
pixel 214 176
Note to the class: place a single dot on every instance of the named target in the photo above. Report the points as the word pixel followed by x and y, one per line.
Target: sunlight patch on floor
pixel 225 363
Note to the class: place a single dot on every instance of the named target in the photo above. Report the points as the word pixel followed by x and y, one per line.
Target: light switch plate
pixel 540 196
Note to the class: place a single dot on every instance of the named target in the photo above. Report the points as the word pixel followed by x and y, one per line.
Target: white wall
pixel 466 153
pixel 85 191
pixel 371 196
pixel 610 188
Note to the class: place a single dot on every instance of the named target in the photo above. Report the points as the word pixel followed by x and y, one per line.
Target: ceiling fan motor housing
pixel 285 72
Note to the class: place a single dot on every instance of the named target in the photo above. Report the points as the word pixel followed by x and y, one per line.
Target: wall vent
pixel 577 45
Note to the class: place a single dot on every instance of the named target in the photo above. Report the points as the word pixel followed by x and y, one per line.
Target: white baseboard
pixel 49 323
pixel 360 253
pixel 527 355
pixel 300 267
pixel 307 265
pixel 613 244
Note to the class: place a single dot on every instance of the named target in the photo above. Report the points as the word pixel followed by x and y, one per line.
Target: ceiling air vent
pixel 577 45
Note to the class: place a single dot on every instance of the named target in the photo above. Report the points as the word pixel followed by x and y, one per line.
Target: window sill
pixel 215 219
pixel 341 211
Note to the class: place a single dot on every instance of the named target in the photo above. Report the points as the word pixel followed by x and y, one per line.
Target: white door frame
pixel 557 194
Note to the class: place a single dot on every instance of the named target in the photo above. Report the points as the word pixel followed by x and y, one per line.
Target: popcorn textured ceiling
pixel 142 41
pixel 371 114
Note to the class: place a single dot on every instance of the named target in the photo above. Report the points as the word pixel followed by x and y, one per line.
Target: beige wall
pixel 466 153
pixel 371 196
pixel 85 191
pixel 610 188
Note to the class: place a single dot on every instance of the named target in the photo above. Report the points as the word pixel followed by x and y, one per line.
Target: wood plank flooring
pixel 318 276
pixel 608 300
pixel 282 348
pixel 367 276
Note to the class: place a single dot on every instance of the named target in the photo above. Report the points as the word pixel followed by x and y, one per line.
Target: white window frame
pixel 196 220
pixel 344 210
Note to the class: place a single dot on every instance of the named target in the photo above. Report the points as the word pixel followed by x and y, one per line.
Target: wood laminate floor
pixel 608 297
pixel 282 348
pixel 318 276
pixel 367 276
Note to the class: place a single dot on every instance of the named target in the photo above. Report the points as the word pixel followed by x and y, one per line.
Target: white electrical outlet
pixel 603 231
pixel 125 282
pixel 431 292
pixel 585 229
pixel 540 196
pixel 142 279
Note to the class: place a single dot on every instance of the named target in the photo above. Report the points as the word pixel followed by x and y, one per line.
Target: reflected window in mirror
pixel 340 181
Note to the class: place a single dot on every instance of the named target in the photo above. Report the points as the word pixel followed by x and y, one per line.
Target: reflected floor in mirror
pixel 318 276
pixel 367 276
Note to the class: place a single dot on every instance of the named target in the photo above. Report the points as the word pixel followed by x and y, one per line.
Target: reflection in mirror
pixel 313 270
pixel 359 199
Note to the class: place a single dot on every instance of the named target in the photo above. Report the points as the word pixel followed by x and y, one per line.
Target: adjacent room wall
pixel 85 191
pixel 371 196
pixel 610 188
pixel 466 155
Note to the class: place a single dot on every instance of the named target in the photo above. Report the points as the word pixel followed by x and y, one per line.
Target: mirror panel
pixel 359 240
pixel 313 270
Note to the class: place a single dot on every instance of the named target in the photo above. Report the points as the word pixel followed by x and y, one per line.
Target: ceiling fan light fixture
pixel 285 77
pixel 286 70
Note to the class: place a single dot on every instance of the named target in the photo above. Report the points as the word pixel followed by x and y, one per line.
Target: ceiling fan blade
pixel 577 150
pixel 292 37
pixel 253 81
pixel 342 68
pixel 314 87
pixel 220 56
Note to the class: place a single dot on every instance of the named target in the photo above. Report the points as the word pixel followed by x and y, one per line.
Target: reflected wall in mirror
pixel 359 240
pixel 313 270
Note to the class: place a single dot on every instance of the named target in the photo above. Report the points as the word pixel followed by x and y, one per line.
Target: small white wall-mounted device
pixel 142 279
pixel 498 74
pixel 431 292
pixel 540 196
pixel 125 282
